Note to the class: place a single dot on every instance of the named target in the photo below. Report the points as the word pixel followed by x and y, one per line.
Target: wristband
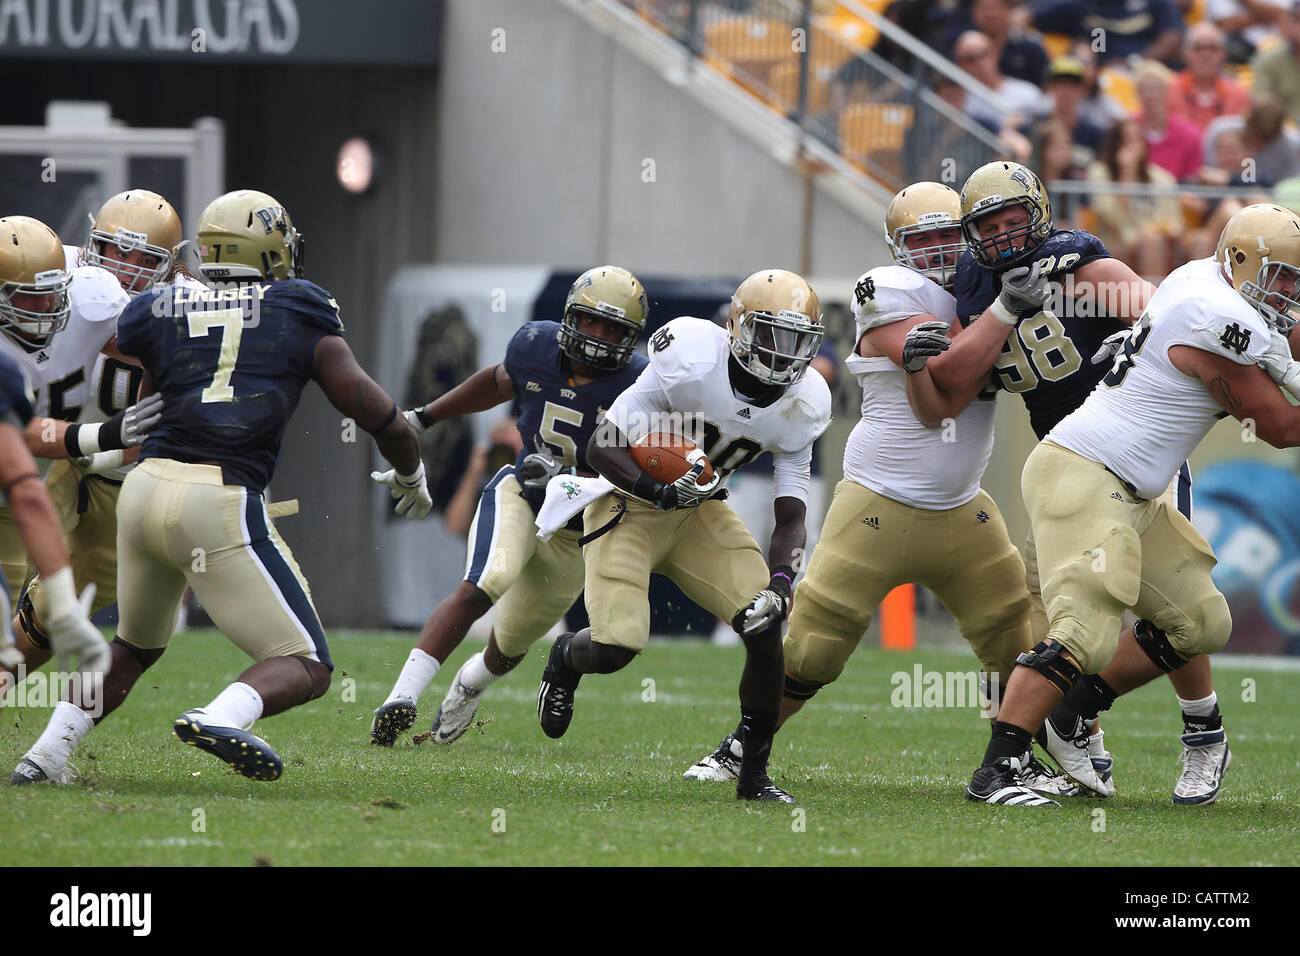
pixel 646 487
pixel 82 441
pixel 425 418
pixel 782 579
pixel 1003 314
pixel 60 593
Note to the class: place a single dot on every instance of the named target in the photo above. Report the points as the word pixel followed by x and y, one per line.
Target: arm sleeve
pixel 792 473
pixel 641 408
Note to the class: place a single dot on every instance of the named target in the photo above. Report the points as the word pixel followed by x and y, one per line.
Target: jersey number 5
pixel 231 323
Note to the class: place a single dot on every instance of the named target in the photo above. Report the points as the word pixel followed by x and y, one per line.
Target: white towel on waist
pixel 566 496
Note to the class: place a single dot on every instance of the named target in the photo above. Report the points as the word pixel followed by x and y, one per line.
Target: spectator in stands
pixel 1096 107
pixel 1202 92
pixel 1139 230
pixel 1245 23
pixel 1272 151
pixel 1055 154
pixel 1015 101
pixel 1172 142
pixel 1151 29
pixel 1233 167
pixel 1019 54
pixel 1067 90
pixel 934 139
pixel 910 15
pixel 1277 69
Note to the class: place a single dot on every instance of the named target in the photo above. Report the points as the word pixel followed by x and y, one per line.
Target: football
pixel 666 457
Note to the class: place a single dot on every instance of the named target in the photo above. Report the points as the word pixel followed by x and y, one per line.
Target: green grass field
pixel 876 784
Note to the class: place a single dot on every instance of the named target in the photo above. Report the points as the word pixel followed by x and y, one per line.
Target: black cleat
pixel 29 771
pixel 391 721
pixel 998 784
pixel 249 754
pixel 555 696
pixel 762 788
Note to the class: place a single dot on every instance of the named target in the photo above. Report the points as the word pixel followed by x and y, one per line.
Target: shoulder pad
pixel 95 294
pixel 812 403
pixel 889 294
pixel 1236 331
pixel 1063 244
pixel 686 348
pixel 309 300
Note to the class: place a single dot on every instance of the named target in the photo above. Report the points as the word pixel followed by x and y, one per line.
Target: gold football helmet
pixel 1260 251
pixel 775 325
pixel 33 281
pixel 135 220
pixel 614 295
pixel 246 234
pixel 924 208
pixel 996 186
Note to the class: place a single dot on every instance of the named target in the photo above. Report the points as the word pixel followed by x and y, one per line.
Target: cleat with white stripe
pixel 29 771
pixel 249 754
pixel 457 711
pixel 1069 747
pixel 1205 759
pixel 722 766
pixel 997 784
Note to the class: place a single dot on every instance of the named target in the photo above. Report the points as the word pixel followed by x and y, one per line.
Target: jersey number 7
pixel 231 323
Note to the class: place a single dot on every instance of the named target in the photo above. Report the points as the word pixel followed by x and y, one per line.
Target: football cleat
pixel 1041 778
pixel 456 713
pixel 555 696
pixel 1205 759
pixel 29 771
pixel 391 721
pixel 1068 746
pixel 763 789
pixel 722 765
pixel 997 783
pixel 249 754
pixel 1102 761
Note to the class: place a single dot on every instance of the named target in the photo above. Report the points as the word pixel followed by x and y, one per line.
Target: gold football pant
pixel 870 544
pixel 178 524
pixel 707 551
pixel 531 582
pixel 1101 550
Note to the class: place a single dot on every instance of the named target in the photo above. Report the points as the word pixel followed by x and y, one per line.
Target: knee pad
pixel 796 689
pixel 31 627
pixel 1054 662
pixel 1155 644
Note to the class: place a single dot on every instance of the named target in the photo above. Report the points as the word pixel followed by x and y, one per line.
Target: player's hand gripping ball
pixel 666 457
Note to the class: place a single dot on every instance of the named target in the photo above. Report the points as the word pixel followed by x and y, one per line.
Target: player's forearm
pixel 789 535
pixel 486 388
pixel 930 404
pixel 46 438
pixel 966 364
pixel 608 454
pixel 399 446
pixel 38 526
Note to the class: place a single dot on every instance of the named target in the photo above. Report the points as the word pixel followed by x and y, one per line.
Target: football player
pixel 564 374
pixel 56 351
pixel 231 365
pixel 746 390
pixel 910 507
pixel 136 236
pixel 1108 537
pixel 1051 361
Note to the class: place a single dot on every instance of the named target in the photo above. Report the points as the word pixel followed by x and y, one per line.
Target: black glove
pixel 924 340
pixel 539 468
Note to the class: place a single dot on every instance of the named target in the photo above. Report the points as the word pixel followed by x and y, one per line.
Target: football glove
pixel 1111 346
pixel 139 420
pixel 1024 290
pixel 1280 366
pixel 126 429
pixel 11 658
pixel 924 340
pixel 418 419
pixel 410 490
pixel 685 492
pixel 768 608
pixel 539 468
pixel 71 633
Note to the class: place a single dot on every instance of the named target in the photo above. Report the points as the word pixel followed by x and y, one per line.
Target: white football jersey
pixel 686 388
pixel 60 373
pixel 889 451
pixel 1144 419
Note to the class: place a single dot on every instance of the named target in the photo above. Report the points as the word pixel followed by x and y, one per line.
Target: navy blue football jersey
pixel 556 415
pixel 230 371
pixel 15 399
pixel 1046 359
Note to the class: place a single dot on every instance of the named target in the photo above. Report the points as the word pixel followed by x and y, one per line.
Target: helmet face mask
pixel 129 228
pixel 923 231
pixel 603 300
pixel 1275 296
pixel 777 348
pixel 1005 191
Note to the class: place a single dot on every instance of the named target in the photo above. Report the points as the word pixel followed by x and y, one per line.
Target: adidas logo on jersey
pixel 1117 496
pixel 743 413
pixel 873 523
pixel 981 516
pixel 42 357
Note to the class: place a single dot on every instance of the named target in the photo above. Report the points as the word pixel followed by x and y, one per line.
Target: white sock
pixel 1199 708
pixel 68 727
pixel 239 705
pixel 417 673
pixel 474 673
